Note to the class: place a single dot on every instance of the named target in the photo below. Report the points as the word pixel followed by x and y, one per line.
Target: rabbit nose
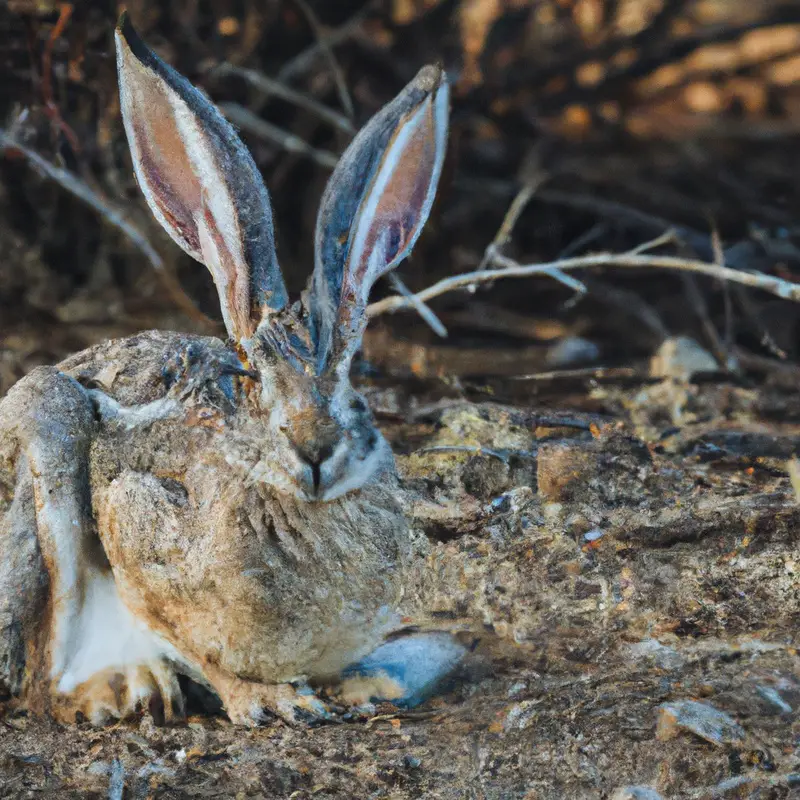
pixel 315 459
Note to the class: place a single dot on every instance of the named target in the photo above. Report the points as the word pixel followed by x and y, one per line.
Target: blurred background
pixel 578 126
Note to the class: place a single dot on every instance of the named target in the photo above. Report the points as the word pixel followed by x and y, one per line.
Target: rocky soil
pixel 624 561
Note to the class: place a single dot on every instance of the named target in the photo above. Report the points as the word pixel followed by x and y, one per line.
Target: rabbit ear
pixel 373 210
pixel 200 182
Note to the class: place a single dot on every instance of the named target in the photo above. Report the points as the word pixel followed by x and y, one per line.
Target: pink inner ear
pixel 164 167
pixel 200 183
pixel 397 214
pixel 234 291
pixel 168 204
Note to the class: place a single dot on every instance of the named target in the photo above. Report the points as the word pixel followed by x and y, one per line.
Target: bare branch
pixel 112 215
pixel 668 237
pixel 270 86
pixel 427 315
pixel 245 119
pixel 756 280
pixel 303 61
pixel 518 205
pixel 326 48
pixel 555 273
pixel 492 253
pixel 87 195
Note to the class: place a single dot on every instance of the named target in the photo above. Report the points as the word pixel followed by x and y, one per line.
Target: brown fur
pixel 253 587
pixel 229 513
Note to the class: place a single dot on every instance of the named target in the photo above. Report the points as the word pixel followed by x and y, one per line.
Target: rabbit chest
pixel 209 552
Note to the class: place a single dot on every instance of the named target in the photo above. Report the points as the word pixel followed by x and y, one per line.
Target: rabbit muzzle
pixel 323 435
pixel 313 438
pixel 327 460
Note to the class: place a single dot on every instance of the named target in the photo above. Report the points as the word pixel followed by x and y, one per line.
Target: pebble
pixel 570 351
pixel 681 358
pixel 659 655
pixel 411 762
pixel 702 719
pixel 635 793
pixel 516 689
pixel 521 715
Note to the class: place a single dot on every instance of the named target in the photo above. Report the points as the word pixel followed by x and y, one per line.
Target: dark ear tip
pixel 124 25
pixel 430 78
pixel 127 34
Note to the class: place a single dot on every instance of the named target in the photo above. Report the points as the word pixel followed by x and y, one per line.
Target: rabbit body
pixel 245 577
pixel 170 503
pixel 243 582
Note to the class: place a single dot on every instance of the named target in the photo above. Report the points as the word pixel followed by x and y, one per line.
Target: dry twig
pixel 503 235
pixel 326 48
pixel 113 216
pixel 427 315
pixel 512 269
pixel 270 86
pixel 305 60
pixel 79 189
pixel 245 119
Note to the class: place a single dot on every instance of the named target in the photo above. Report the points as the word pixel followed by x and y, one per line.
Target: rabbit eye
pixel 357 404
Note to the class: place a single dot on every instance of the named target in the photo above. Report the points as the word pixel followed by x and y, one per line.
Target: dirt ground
pixel 602 486
pixel 632 599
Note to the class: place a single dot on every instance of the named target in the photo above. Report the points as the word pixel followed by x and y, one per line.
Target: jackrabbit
pixel 175 504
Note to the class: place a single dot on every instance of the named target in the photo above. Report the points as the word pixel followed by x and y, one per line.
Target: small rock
pixel 411 762
pixel 99 768
pixel 657 654
pixel 500 504
pixel 635 793
pixel 572 350
pixel 702 719
pixel 681 358
pixel 521 715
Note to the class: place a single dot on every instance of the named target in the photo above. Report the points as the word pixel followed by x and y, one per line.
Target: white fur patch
pixel 135 416
pixel 104 634
pixel 360 473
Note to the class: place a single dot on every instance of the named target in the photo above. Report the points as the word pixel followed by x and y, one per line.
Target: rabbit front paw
pixel 251 704
pixel 117 694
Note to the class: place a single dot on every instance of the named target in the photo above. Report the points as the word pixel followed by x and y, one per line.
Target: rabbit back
pixel 137 369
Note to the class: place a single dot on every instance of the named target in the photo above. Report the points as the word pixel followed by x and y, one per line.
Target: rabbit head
pixel 204 188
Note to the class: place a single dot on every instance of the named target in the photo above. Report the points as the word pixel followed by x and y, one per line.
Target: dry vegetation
pixel 601 448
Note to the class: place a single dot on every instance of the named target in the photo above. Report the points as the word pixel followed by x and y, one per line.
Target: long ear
pixel 373 210
pixel 200 182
